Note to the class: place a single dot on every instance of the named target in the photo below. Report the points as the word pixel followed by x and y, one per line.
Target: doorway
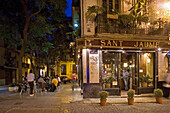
pixel 128 72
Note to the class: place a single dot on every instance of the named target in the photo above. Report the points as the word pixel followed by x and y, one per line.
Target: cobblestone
pixel 67 101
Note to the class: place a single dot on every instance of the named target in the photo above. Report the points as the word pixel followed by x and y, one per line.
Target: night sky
pixel 68 11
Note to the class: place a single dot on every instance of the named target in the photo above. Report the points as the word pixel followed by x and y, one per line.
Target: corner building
pixel 106 49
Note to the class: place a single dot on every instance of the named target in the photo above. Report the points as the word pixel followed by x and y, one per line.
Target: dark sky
pixel 68 11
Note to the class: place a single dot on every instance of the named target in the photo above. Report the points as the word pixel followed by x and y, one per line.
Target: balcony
pixel 124 26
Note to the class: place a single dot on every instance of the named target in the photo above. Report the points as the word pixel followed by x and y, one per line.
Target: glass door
pixel 128 76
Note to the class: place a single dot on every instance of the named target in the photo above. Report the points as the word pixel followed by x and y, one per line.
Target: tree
pixel 137 11
pixel 27 19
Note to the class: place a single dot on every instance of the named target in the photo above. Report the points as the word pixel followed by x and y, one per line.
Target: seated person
pixel 42 82
pixel 54 83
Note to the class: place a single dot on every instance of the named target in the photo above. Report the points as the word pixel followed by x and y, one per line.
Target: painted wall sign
pixel 122 43
pixel 94 66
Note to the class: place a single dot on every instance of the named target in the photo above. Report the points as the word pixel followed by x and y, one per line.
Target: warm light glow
pixel 78 56
pixel 133 65
pixel 148 60
pixel 148 24
pixel 157 12
pixel 167 5
pixel 123 51
pixel 146 54
pixel 125 65
pixel 141 70
pixel 159 49
pixel 28 61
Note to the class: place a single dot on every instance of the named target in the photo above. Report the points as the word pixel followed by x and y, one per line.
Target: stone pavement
pixel 64 100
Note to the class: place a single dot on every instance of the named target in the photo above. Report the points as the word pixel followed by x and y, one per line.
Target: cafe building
pixel 109 46
pixel 103 60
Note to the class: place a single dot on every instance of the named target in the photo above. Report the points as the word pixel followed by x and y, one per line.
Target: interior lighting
pixel 146 54
pixel 133 65
pixel 125 65
pixel 148 60
pixel 159 49
pixel 167 5
pixel 141 70
pixel 123 51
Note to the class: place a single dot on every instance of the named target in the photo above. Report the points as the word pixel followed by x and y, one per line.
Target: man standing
pixel 30 79
pixel 125 78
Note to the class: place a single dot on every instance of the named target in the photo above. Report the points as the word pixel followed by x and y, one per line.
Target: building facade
pixel 108 47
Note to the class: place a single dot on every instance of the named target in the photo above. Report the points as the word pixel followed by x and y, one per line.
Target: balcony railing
pixel 115 26
pixel 142 31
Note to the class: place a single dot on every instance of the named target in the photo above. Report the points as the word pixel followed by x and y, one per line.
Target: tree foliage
pixel 24 23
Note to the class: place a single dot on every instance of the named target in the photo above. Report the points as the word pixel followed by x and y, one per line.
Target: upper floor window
pixel 110 6
pixel 117 5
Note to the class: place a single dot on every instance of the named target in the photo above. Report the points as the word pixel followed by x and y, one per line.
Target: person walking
pixel 30 80
pixel 73 80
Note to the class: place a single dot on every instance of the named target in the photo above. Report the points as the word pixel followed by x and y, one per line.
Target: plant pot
pixel 107 85
pixel 103 102
pixel 11 89
pixel 159 100
pixel 144 84
pixel 130 101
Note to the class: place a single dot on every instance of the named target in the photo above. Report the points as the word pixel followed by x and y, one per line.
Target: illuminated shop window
pixel 110 70
pixel 146 69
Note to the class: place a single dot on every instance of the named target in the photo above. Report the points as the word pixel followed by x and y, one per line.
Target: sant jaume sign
pixel 121 43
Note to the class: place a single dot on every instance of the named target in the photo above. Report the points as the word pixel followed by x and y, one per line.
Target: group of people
pixel 47 83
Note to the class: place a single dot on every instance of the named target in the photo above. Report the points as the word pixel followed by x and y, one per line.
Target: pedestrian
pixel 30 80
pixel 73 80
pixel 125 78
pixel 59 80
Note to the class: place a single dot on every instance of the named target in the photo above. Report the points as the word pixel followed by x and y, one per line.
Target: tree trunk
pixel 24 44
pixel 20 69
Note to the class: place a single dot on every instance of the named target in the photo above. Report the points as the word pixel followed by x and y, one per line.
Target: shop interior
pixel 136 68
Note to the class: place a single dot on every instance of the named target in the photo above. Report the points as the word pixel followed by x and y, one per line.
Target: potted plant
pixel 107 81
pixel 131 94
pixel 103 95
pixel 11 86
pixel 158 95
pixel 145 79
